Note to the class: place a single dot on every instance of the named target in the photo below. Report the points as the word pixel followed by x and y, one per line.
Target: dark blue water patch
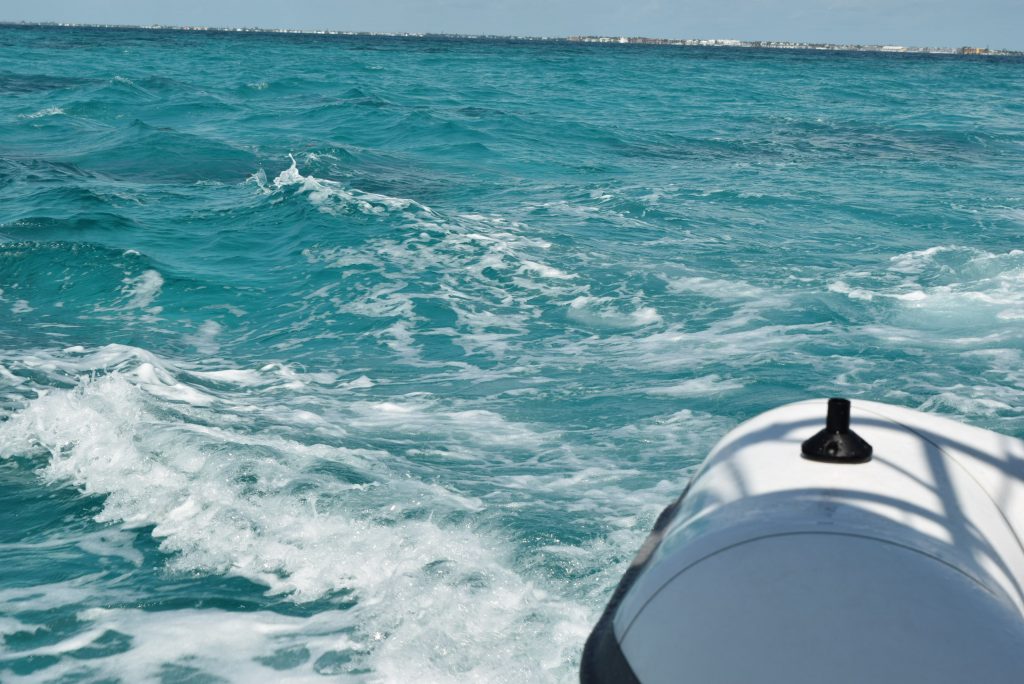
pixel 77 225
pixel 148 153
pixel 20 83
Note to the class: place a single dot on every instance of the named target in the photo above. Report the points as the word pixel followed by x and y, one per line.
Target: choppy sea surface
pixel 375 358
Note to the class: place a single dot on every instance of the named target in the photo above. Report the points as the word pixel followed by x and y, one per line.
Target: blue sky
pixel 994 23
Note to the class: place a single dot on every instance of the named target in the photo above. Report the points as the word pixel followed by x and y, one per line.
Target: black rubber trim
pixel 603 661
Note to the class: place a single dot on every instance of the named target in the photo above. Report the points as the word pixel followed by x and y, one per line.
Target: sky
pixel 945 23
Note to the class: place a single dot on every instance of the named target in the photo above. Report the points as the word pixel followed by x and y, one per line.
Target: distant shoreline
pixel 604 40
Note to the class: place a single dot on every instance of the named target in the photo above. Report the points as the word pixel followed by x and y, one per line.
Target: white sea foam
pixel 604 485
pixel 330 196
pixel 49 111
pixel 604 312
pixel 190 644
pixel 544 271
pixel 142 289
pixel 47 596
pixel 715 287
pixel 108 543
pixel 434 601
pixel 235 376
pixel 205 338
pixel 489 275
pixel 10 378
pixel 979 287
pixel 841 287
pixel 160 383
pixel 670 436
pixel 697 387
pixel 965 401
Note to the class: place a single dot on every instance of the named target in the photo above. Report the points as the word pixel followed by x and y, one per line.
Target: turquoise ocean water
pixel 377 357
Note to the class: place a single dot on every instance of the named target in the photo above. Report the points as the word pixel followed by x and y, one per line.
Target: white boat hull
pixel 774 568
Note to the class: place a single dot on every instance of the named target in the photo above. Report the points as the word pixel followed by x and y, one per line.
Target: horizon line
pixel 579 38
